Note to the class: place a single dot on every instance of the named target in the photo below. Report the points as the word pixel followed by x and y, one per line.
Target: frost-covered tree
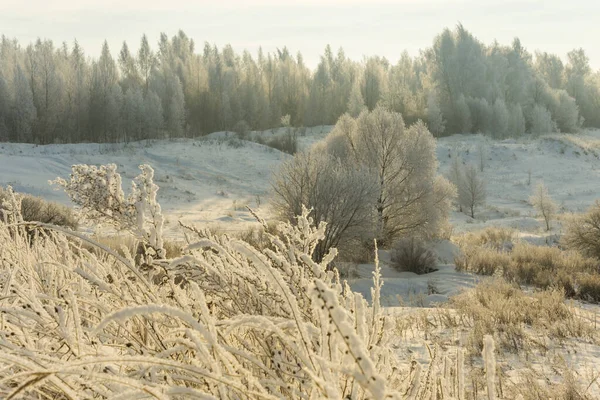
pixel 356 103
pixel 471 192
pixel 5 105
pixel 543 203
pixel 374 81
pixel 500 120
pixel 435 118
pixel 455 175
pixel 128 65
pixel 23 110
pixel 567 113
pixel 133 114
pixel 146 62
pixel 410 199
pixel 153 116
pixel 462 115
pixel 541 120
pixel 516 125
pixel 482 115
pixel 104 101
pixel 551 68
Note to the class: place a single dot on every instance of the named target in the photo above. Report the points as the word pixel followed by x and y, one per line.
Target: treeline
pixel 54 94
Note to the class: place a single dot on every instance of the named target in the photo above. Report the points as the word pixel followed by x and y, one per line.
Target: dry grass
pixel 491 237
pixel 39 210
pixel 126 244
pixel 518 321
pixel 586 145
pixel 491 253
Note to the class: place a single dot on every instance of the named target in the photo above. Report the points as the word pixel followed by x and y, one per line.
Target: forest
pixel 53 93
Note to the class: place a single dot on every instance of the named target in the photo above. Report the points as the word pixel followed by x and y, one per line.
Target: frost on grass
pixel 224 321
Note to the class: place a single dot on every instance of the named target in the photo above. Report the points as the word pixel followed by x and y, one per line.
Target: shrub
pixel 589 288
pixel 36 209
pixel 242 128
pixel 411 255
pixel 288 143
pixel 582 232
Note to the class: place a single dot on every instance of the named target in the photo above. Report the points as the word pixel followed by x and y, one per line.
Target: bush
pixel 411 255
pixel 589 288
pixel 288 143
pixel 582 232
pixel 242 128
pixel 36 209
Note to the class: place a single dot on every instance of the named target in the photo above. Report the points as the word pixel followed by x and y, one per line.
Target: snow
pixel 205 181
pixel 209 181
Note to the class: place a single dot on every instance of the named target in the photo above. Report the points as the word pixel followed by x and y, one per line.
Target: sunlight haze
pixel 382 27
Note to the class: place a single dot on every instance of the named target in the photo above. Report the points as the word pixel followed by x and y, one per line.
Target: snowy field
pixel 210 181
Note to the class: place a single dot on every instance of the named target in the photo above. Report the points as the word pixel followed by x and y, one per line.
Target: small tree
pixel 583 232
pixel 543 203
pixel 471 192
pixel 455 174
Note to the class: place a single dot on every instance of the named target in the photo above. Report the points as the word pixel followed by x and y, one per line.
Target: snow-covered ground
pixel 202 181
pixel 209 181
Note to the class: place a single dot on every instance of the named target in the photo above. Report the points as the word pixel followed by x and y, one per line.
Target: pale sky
pixel 361 27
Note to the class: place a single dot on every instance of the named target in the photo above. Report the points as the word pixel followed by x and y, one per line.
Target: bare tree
pixel 471 192
pixel 543 203
pixel 340 196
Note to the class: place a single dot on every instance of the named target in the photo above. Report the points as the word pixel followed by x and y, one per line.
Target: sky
pixel 361 27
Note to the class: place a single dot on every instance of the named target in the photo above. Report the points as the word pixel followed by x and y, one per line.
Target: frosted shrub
pixel 241 323
pixel 583 232
pixel 97 191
